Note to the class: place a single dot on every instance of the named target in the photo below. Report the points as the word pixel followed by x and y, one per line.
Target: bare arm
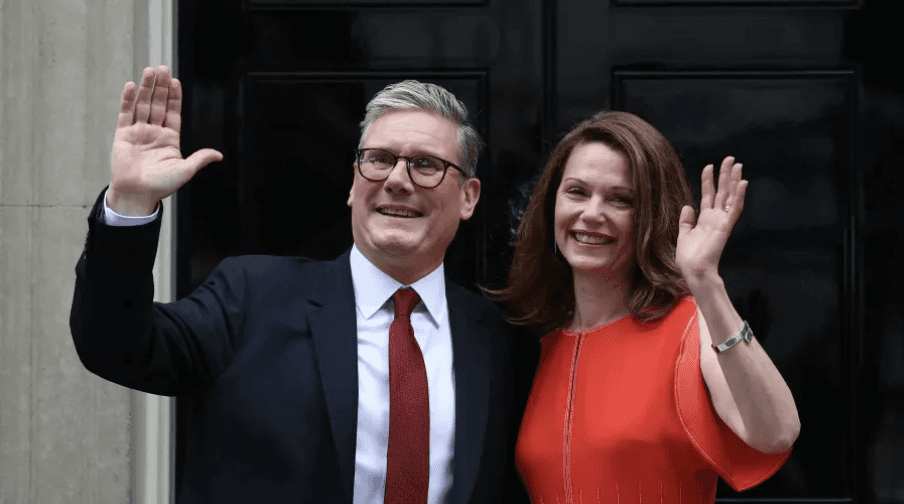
pixel 745 385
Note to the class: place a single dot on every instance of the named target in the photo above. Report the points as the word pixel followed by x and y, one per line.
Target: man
pixel 294 393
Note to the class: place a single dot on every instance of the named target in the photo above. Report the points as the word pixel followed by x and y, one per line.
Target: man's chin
pixel 399 248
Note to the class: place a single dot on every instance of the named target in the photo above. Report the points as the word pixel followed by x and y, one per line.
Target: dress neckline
pixel 565 331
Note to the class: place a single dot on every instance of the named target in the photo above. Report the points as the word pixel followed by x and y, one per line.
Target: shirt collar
pixel 373 287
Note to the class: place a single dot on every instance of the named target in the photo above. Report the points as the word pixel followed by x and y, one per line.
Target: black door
pixel 794 89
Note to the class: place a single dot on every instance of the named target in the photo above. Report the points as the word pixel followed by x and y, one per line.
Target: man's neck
pixel 404 269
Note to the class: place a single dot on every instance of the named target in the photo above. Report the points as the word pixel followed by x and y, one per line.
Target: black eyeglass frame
pixel 408 163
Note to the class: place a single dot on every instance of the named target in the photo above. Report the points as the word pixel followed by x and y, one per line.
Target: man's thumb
pixel 202 158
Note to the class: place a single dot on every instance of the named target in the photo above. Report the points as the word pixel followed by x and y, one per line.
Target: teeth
pixel 400 213
pixel 584 238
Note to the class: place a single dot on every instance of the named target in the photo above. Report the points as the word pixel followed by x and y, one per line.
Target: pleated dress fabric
pixel 620 414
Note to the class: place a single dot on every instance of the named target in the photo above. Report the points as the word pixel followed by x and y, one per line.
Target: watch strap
pixel 744 333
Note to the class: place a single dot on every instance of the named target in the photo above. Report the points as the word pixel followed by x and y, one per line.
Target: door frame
pixel 152 430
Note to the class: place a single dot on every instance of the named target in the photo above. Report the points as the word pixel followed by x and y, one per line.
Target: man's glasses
pixel 425 171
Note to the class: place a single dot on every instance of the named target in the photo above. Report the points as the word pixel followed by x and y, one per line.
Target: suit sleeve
pixel 525 357
pixel 122 335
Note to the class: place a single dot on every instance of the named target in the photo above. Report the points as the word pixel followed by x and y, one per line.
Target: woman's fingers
pixel 741 195
pixel 735 191
pixel 145 90
pixel 127 105
pixel 724 182
pixel 686 220
pixel 706 188
pixel 734 185
pixel 736 202
pixel 159 96
pixel 173 118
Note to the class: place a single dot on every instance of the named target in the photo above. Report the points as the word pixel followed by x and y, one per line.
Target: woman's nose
pixel 595 210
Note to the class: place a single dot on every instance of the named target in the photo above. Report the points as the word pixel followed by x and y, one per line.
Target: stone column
pixel 64 433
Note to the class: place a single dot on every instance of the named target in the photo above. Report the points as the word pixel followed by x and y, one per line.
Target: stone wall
pixel 64 433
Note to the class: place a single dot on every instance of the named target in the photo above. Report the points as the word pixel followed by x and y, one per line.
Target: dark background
pixel 806 93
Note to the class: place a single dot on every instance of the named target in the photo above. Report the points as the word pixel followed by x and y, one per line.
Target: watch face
pixel 748 334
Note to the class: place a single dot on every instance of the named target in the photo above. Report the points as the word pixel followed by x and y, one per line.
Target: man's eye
pixel 425 165
pixel 379 159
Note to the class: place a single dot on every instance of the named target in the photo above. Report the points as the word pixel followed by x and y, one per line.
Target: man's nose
pixel 398 176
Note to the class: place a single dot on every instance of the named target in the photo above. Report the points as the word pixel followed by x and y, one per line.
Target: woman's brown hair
pixel 540 289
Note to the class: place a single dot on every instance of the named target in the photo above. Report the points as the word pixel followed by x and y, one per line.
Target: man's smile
pixel 398 211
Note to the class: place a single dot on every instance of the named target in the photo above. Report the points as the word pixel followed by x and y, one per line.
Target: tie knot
pixel 405 300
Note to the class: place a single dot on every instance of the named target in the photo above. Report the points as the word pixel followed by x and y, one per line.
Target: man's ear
pixel 470 194
pixel 351 193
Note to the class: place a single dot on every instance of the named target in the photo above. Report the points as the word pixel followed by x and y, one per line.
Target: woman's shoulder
pixel 681 313
pixel 677 318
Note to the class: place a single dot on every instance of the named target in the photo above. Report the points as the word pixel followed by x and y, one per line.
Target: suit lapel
pixel 334 332
pixel 472 382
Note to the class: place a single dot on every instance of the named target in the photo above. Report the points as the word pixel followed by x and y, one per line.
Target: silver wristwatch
pixel 744 333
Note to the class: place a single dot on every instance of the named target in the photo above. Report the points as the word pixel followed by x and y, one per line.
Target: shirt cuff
pixel 112 218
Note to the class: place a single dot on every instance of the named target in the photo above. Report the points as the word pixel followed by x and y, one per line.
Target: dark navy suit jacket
pixel 265 353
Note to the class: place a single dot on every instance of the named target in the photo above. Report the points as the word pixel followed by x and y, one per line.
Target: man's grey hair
pixel 413 94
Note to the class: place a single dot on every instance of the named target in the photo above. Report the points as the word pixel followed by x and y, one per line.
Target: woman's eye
pixel 575 190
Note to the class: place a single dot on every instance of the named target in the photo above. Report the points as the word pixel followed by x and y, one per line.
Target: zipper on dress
pixel 569 419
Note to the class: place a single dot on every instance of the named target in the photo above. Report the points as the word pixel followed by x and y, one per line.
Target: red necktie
pixel 408 456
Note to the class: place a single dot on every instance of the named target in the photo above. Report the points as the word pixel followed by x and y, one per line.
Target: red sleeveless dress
pixel 620 414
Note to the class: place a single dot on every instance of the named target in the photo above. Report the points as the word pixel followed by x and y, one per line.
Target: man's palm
pixel 146 158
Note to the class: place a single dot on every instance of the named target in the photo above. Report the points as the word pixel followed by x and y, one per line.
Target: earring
pixel 555 247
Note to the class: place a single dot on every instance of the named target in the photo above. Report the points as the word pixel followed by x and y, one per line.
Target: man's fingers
pixel 127 105
pixel 143 105
pixel 173 118
pixel 158 99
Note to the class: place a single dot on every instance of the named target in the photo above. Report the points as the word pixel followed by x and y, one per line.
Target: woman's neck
pixel 598 301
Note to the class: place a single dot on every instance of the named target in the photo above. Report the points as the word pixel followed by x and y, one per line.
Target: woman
pixel 631 401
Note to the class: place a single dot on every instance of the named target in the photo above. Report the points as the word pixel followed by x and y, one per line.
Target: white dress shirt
pixel 375 312
pixel 430 320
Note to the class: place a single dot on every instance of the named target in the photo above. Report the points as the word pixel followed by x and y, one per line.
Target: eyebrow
pixel 416 153
pixel 582 182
